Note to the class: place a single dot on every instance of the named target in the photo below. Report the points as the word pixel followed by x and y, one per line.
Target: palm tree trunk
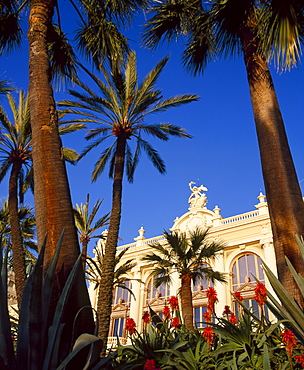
pixel 54 210
pixel 18 255
pixel 286 207
pixel 105 294
pixel 84 251
pixel 186 301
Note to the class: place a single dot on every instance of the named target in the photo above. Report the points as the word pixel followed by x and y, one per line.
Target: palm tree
pixel 15 155
pixel 27 226
pixel 187 255
pixel 84 225
pixel 96 267
pixel 257 30
pixel 120 111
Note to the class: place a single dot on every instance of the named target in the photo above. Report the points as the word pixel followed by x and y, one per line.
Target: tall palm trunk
pixel 18 255
pixel 186 301
pixel 54 211
pixel 286 207
pixel 84 240
pixel 105 294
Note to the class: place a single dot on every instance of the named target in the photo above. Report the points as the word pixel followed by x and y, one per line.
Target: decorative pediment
pixel 247 290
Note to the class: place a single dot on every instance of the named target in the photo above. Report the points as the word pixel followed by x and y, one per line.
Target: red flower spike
pixel 226 310
pixel 233 319
pixel 289 340
pixel 260 294
pixel 146 317
pixel 166 312
pixel 175 323
pixel 207 316
pixel 238 296
pixel 150 365
pixel 212 298
pixel 173 303
pixel 208 334
pixel 130 326
pixel 300 359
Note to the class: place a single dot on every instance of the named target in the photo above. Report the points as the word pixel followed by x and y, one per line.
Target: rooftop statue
pixel 197 199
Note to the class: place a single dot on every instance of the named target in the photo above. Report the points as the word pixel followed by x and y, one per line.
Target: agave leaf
pixel 30 318
pixel 48 284
pixel 266 361
pixel 7 356
pixel 156 320
pixel 288 309
pixel 61 306
pixel 298 278
pixel 82 341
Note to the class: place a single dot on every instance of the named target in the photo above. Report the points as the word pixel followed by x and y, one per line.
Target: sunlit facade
pixel 248 239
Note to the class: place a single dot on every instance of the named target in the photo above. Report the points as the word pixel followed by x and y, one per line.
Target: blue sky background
pixel 223 155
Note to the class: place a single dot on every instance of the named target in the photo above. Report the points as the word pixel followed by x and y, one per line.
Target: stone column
pixel 135 305
pixel 221 288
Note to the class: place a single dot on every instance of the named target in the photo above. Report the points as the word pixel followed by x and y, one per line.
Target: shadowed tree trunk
pixel 18 255
pixel 282 188
pixel 186 301
pixel 54 211
pixel 105 294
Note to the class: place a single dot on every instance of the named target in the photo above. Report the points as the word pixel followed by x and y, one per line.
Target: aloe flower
pixel 166 312
pixel 146 317
pixel 260 294
pixel 173 303
pixel 289 341
pixel 208 334
pixel 212 298
pixel 130 326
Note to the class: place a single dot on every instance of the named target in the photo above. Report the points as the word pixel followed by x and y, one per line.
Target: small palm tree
pixel 96 267
pixel 187 255
pixel 84 225
pixel 120 109
pixel 27 227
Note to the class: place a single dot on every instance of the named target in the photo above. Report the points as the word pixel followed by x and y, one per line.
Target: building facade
pixel 248 240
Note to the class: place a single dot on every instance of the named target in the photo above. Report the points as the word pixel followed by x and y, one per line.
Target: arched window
pixel 199 299
pixel 156 297
pixel 244 270
pixel 120 309
pixel 121 294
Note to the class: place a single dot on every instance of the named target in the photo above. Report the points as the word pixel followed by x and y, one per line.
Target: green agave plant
pixel 288 309
pixel 39 346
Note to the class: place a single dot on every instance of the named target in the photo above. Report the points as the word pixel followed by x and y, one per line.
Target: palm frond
pixel 167 24
pixel 5 87
pixel 174 101
pixel 69 128
pixel 101 163
pixel 61 55
pixel 88 148
pixel 99 39
pixel 10 31
pixel 69 155
pixel 153 155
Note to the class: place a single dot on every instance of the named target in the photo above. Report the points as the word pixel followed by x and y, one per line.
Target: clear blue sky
pixel 223 155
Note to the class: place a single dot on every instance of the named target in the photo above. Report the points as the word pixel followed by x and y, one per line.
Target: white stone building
pixel 248 239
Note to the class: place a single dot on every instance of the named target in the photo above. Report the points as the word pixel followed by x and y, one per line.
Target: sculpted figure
pixel 197 199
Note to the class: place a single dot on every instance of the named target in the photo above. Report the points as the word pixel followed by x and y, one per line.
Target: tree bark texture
pixel 53 205
pixel 285 203
pixel 17 243
pixel 186 301
pixel 105 293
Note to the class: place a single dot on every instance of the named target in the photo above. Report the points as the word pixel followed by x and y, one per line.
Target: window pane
pixel 119 327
